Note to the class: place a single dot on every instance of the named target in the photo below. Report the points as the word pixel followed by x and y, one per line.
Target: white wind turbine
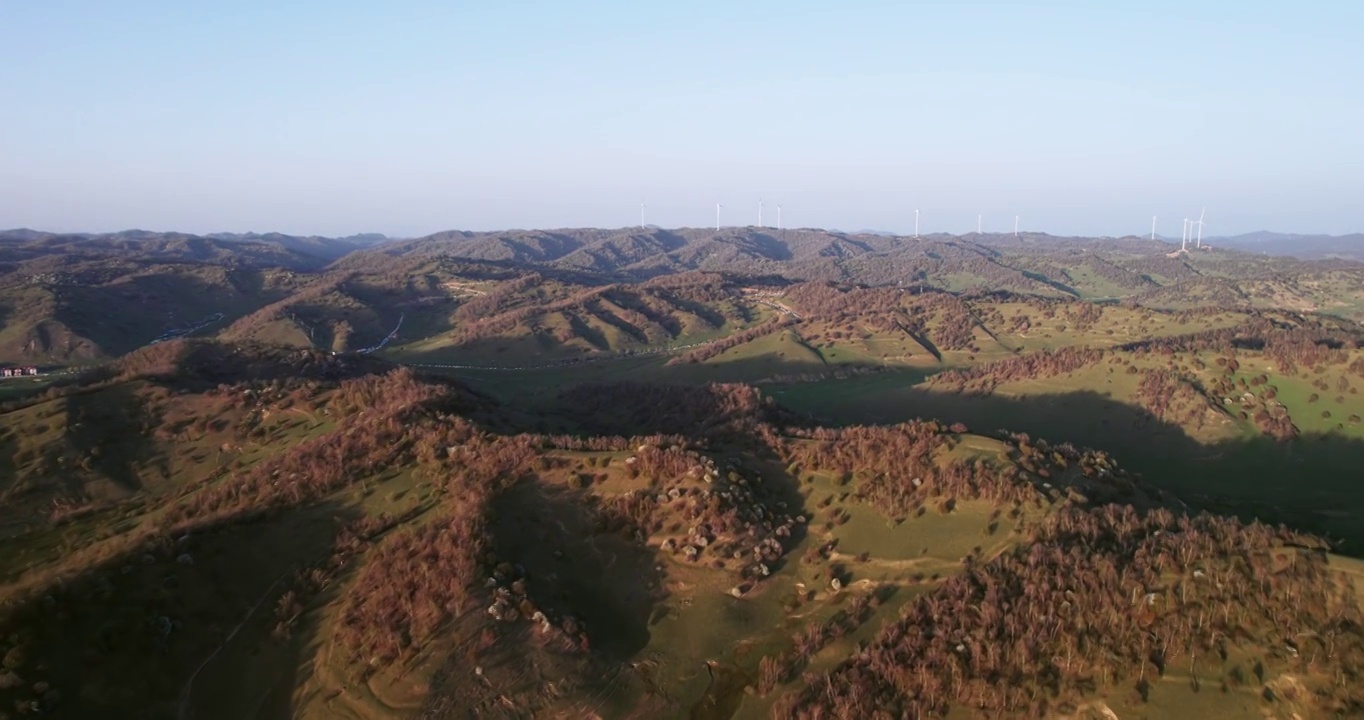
pixel 641 216
pixel 978 226
pixel 1201 213
pixel 1015 226
pixel 916 223
pixel 1184 239
pixel 778 216
pixel 1153 227
pixel 717 216
pixel 760 212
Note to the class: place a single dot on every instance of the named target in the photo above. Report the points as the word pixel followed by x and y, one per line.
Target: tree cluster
pixel 715 349
pixel 1101 598
pixel 985 378
pixel 413 582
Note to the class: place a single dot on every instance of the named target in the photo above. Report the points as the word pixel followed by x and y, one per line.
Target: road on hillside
pixel 388 338
pixel 188 330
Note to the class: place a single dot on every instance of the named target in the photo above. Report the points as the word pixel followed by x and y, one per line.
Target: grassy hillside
pixel 290 533
pixel 68 299
pixel 532 474
pixel 304 558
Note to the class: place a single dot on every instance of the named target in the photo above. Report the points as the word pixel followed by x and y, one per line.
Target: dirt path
pixel 182 712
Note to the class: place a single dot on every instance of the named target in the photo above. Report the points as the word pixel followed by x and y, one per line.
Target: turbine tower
pixel 1184 239
pixel 1153 227
pixel 916 223
pixel 760 212
pixel 1201 213
pixel 717 216
pixel 978 219
pixel 641 216
pixel 1015 226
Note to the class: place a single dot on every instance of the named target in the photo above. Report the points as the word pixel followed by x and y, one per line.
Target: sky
pixel 407 118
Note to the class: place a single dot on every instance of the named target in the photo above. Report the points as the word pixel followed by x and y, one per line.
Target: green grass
pixel 864 399
pixel 1226 466
pixel 919 544
pixel 1090 286
pixel 961 281
pixel 1295 393
pixel 18 388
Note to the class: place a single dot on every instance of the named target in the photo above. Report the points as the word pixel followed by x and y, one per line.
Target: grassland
pixel 847 368
pixel 574 503
pixel 248 609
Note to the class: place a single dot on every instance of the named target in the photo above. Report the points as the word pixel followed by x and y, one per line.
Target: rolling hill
pixel 614 473
pixel 291 533
pixel 77 298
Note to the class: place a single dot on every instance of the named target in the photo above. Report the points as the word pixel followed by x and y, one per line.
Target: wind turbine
pixel 760 212
pixel 978 217
pixel 779 216
pixel 1184 240
pixel 1015 226
pixel 1203 212
pixel 717 216
pixel 916 223
pixel 1153 227
pixel 641 216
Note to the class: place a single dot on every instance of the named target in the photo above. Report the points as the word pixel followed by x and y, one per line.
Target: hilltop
pixel 1032 263
pixel 272 249
pixel 76 298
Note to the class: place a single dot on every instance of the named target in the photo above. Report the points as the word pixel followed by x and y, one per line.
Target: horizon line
pixel 650 226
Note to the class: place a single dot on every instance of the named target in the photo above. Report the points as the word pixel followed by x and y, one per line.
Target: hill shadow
pixel 591 335
pixel 761 369
pixel 9 448
pixel 766 246
pixel 668 239
pixel 169 627
pixel 579 564
pixel 108 430
pixel 1309 483
pixel 119 317
pixel 256 673
pixel 928 344
pixel 698 309
pixel 1049 282
pixel 6 313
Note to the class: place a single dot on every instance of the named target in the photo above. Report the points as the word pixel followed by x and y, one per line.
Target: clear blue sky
pixel 411 117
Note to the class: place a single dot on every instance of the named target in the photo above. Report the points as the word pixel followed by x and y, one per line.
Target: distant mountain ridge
pixel 76 297
pixel 69 297
pixel 271 248
pixel 1305 247
pixel 633 254
pixel 357 240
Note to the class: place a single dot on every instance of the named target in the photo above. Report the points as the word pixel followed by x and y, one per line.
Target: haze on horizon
pixel 335 119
